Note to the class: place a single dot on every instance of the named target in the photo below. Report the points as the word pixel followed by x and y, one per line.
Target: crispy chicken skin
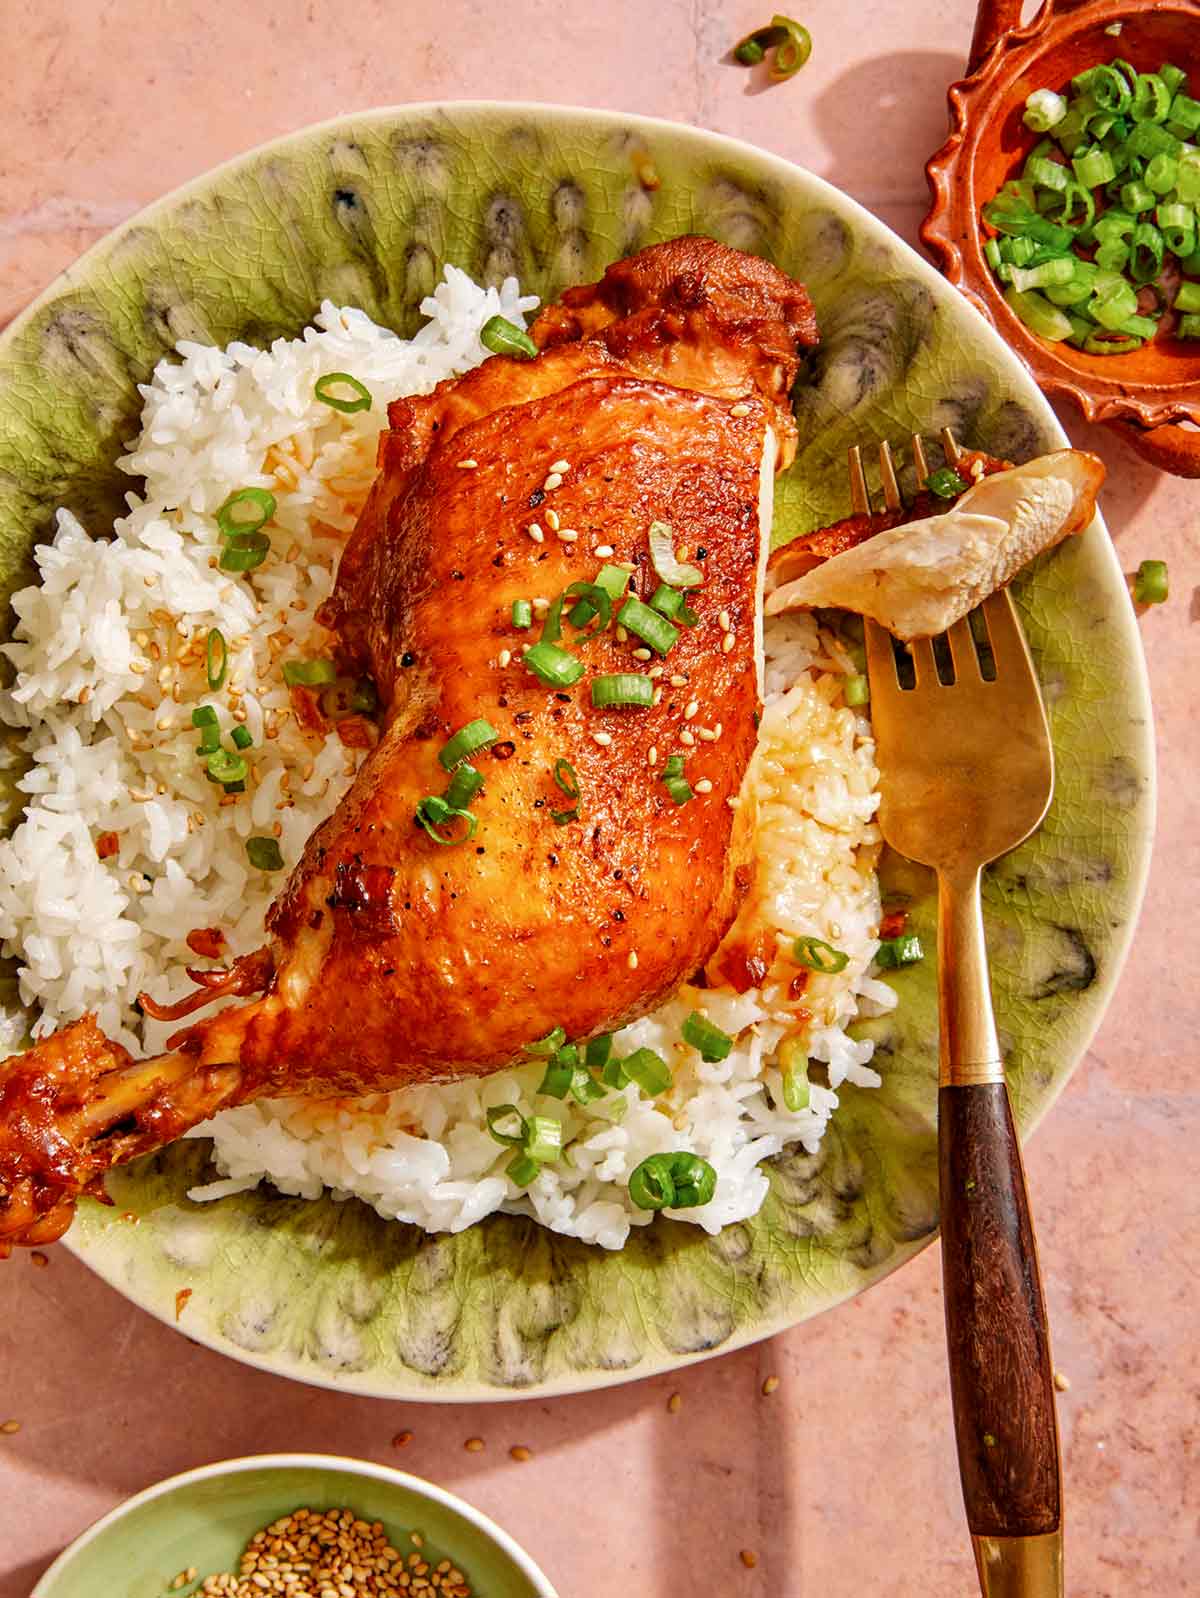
pixel 391 959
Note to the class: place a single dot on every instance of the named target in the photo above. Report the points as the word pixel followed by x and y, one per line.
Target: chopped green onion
pixel 204 716
pixel 662 557
pixel 224 767
pixel 1048 274
pixel 1185 113
pixel 464 785
pixel 556 1083
pixel 895 952
pixel 1094 167
pixel 713 1044
pixel 584 1089
pixel 503 337
pixel 1112 343
pixel 1046 173
pixel 547 1046
pixel 543 1138
pixel 1151 586
pixel 598 1051
pixel 946 484
pixel 360 399
pixel 749 52
pixel 1112 256
pixel 1161 173
pixel 230 523
pixel 674 766
pixel 679 789
pixel 649 626
pixel 467 741
pixel 521 1169
pixel 216 658
pixel 820 956
pixel 1038 314
pixel 242 738
pixel 669 602
pixel 244 552
pixel 649 1070
pixel 1044 110
pixel 991 251
pixel 1174 77
pixel 695 1181
pixel 1136 197
pixel 652 1183
pixel 622 688
pixel 553 666
pixel 560 818
pixel 1146 254
pixel 566 778
pixel 364 697
pixel 433 813
pixel 210 739
pixel 497 1115
pixel 793 1065
pixel 522 613
pixel 614 580
pixel 263 854
pixel 309 673
pixel 594 600
pixel 1189 326
pixel 1151 98
pixel 856 690
pixel 1113 304
pixel 1177 223
pixel 1187 297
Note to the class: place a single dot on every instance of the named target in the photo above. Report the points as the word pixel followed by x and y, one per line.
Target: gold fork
pixel 966 773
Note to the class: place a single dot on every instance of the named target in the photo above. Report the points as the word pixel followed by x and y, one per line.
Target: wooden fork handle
pixel 1000 1373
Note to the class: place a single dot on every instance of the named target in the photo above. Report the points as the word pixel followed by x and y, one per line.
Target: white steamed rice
pixel 109 658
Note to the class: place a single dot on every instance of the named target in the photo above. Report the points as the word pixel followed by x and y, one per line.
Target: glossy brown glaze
pixel 1000 1369
pixel 392 959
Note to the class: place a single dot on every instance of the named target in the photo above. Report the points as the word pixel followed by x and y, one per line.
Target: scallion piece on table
pixel 904 950
pixel 503 337
pixel 649 626
pixel 216 658
pixel 552 665
pixel 359 398
pixel 245 511
pixel 817 955
pixel 522 613
pixel 749 53
pixel 649 1070
pixel 620 689
pixel 467 741
pixel 946 483
pixel 714 1044
pixel 464 785
pixel 309 673
pixel 545 1047
pixel 264 854
pixel 663 558
pixel 1151 586
pixel 856 690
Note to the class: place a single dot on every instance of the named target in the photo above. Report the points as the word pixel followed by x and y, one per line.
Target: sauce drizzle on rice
pixel 110 660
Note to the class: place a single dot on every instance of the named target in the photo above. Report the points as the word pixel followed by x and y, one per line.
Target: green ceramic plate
pixel 365 210
pixel 206 1517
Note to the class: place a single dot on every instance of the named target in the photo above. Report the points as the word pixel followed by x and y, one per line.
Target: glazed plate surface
pixel 366 210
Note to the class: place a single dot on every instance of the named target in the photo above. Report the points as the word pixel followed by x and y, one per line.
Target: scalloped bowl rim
pixel 341 1463
pixel 785 171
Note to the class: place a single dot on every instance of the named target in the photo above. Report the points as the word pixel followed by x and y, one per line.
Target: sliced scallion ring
pixel 216 659
pixel 547 1046
pixel 309 673
pixel 567 778
pixel 467 741
pixel 662 557
pixel 713 1044
pixel 245 511
pixel 552 665
pixel 649 1070
pixel 244 552
pixel 358 400
pixel 817 955
pixel 433 813
pixel 620 689
pixel 498 1115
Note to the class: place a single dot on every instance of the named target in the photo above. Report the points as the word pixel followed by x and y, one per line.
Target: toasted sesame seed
pixel 632 961
pixel 468 465
pixel 727 643
pixel 652 755
pixel 622 636
pixel 686 737
pixel 704 786
pixel 552 482
pixel 504 657
pixel 604 551
pixel 567 534
pixel 677 681
pixel 739 410
pixel 674 1403
pixel 560 466
pixel 602 738
pixel 711 734
pixel 1062 1382
pixel 536 533
pixel 723 621
pixel 552 521
pixel 656 672
pixel 769 1386
pixel 748 1558
pixel 541 603
pixel 642 654
pixel 690 709
pixel 39 1259
pixel 474 1445
pixel 520 1453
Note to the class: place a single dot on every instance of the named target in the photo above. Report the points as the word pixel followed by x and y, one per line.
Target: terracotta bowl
pixel 1153 394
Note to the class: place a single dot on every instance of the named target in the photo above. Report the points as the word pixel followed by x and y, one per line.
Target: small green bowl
pixel 205 1517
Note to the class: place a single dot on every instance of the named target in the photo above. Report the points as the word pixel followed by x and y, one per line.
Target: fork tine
pixel 887 476
pixel 962 649
pixel 919 461
pixel 950 445
pixel 1005 635
pixel 881 659
pixel 860 498
pixel 924 663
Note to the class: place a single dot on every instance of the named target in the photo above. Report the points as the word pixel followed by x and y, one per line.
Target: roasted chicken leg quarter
pixel 400 952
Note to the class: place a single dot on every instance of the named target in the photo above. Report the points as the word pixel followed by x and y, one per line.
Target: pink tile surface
pixel 843 1481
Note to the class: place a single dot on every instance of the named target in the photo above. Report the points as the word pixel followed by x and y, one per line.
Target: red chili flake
pixel 181 1299
pixel 402 1439
pixel 207 942
pixel 798 986
pixel 107 844
pixel 893 923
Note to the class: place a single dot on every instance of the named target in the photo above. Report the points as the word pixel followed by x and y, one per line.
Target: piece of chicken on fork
pixel 661 394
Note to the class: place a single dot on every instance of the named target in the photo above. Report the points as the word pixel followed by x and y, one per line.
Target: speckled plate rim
pixel 1138 689
pixel 416 1485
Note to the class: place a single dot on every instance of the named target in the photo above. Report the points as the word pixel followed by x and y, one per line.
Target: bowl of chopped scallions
pixel 1066 206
